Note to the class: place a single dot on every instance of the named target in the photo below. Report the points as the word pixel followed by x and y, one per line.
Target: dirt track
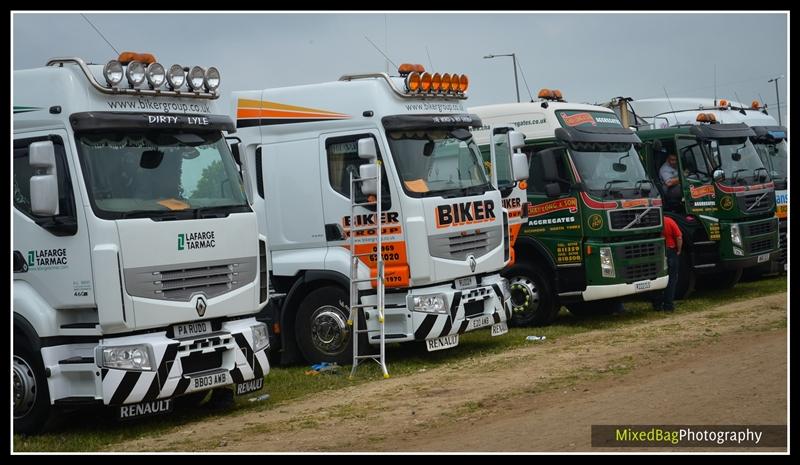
pixel 726 365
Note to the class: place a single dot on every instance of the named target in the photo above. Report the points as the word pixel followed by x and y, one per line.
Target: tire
pixel 722 280
pixel 321 328
pixel 532 299
pixel 598 307
pixel 686 278
pixel 191 400
pixel 32 408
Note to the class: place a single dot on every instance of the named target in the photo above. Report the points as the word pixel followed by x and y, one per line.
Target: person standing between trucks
pixel 669 178
pixel 673 239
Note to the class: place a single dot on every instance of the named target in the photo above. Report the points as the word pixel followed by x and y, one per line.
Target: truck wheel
pixel 321 327
pixel 31 395
pixel 532 300
pixel 722 280
pixel 686 278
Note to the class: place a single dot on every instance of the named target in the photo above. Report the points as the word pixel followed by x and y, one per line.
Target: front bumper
pixel 610 291
pixel 466 311
pixel 234 342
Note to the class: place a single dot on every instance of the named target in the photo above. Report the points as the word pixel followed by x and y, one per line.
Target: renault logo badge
pixel 472 263
pixel 200 306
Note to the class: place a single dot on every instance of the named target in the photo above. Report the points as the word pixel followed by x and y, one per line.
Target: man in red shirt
pixel 673 240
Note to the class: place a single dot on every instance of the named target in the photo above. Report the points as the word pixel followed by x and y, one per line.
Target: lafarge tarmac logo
pixel 47 259
pixel 196 240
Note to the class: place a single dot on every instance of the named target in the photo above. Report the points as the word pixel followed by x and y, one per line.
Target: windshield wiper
pixel 607 188
pixel 220 211
pixel 760 169
pixel 157 215
pixel 735 174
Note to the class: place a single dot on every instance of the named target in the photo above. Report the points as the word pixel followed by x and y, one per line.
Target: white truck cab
pixel 136 254
pixel 445 232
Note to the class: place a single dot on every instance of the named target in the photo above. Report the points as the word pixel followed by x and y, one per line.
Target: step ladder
pixel 355 304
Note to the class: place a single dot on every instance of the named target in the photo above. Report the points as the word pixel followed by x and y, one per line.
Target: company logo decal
pixel 47 259
pixel 570 203
pixel 697 192
pixel 200 306
pixel 577 119
pixel 197 240
pixel 726 203
pixel 462 213
pixel 595 221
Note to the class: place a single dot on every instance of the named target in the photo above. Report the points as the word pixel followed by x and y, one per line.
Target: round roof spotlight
pixel 156 75
pixel 113 73
pixel 135 73
pixel 211 80
pixel 175 77
pixel 196 77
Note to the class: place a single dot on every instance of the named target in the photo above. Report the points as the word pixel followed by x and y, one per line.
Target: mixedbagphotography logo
pixel 689 436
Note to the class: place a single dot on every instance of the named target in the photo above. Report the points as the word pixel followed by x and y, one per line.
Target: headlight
pixel 136 357
pixel 135 73
pixel 156 75
pixel 196 77
pixel 260 337
pixel 607 262
pixel 738 251
pixel 434 303
pixel 736 236
pixel 211 79
pixel 175 76
pixel 113 73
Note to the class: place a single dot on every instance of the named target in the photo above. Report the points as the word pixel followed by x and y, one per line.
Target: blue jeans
pixel 665 299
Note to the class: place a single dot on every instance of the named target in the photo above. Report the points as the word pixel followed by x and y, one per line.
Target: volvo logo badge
pixel 200 306
pixel 472 263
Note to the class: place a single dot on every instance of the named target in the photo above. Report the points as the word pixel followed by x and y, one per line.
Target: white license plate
pixel 198 328
pixel 499 329
pixel 249 386
pixel 144 409
pixel 763 258
pixel 480 322
pixel 440 343
pixel 209 381
pixel 641 285
pixel 466 283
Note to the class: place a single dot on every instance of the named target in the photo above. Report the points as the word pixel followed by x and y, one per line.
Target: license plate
pixel 144 409
pixel 198 328
pixel 466 283
pixel 641 285
pixel 499 329
pixel 440 343
pixel 763 258
pixel 249 386
pixel 480 322
pixel 209 381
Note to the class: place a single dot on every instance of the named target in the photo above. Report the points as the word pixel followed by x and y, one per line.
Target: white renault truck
pixel 136 254
pixel 445 233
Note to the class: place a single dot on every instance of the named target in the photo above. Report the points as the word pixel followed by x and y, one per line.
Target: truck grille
pixel 746 201
pixel 458 246
pixel 640 271
pixel 618 219
pixel 473 308
pixel 198 361
pixel 762 245
pixel 649 249
pixel 180 283
pixel 757 229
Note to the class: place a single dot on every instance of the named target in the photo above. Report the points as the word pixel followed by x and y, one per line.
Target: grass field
pixel 95 429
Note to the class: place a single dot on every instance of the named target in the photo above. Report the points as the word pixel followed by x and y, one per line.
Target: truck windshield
pixel 438 162
pixel 610 168
pixel 152 174
pixel 774 157
pixel 739 159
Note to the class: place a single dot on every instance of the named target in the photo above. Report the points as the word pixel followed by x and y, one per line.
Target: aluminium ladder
pixel 355 259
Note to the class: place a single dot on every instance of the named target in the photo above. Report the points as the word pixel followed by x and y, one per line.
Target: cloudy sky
pixel 591 57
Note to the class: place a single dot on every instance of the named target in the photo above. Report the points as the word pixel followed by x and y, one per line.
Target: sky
pixel 590 57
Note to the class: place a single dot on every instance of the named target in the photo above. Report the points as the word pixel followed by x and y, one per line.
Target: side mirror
pixel 152 158
pixel 657 145
pixel 718 175
pixel 552 189
pixel 44 184
pixel 619 167
pixel 368 170
pixel 519 165
pixel 366 149
pixel 736 156
pixel 516 139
